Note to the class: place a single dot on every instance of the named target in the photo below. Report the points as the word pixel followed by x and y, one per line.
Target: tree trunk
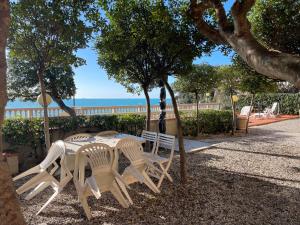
pixel 233 116
pixel 248 116
pixel 10 212
pixel 197 113
pixel 148 115
pixel 40 75
pixel 162 106
pixel 273 64
pixel 63 106
pixel 183 169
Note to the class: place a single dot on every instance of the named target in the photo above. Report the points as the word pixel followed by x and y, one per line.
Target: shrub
pixel 210 122
pixel 288 103
pixel 30 131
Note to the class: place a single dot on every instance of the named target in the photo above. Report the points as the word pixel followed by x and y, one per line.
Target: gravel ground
pixel 253 179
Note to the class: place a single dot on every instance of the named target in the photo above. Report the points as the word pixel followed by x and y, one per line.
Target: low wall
pixel 170 125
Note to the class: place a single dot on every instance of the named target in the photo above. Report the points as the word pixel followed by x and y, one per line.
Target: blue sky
pixel 92 81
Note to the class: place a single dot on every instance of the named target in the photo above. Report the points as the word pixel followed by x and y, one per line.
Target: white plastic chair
pixel 273 111
pixel 136 171
pixel 44 178
pixel 104 177
pixel 246 111
pixel 70 158
pixel 269 112
pixel 167 142
pixel 107 133
pixel 150 137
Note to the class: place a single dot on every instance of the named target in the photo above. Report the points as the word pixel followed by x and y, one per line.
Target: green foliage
pixel 276 24
pixel 23 131
pixel 23 81
pixel 49 32
pixel 102 123
pixel 288 103
pixel 229 79
pixel 210 122
pixel 201 79
pixel 249 80
pixel 142 40
pixel 30 131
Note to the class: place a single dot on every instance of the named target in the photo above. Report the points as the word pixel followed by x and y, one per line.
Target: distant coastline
pixel 88 102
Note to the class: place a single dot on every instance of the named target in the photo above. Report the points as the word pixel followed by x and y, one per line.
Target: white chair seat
pixel 155 158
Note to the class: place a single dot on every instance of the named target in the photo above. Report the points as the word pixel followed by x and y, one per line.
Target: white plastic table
pixel 73 146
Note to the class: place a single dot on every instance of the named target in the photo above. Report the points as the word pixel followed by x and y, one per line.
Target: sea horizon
pixel 87 102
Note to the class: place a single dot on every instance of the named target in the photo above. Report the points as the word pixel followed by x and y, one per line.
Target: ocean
pixel 88 102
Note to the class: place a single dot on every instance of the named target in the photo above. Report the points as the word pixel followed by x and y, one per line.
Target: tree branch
pixel 197 11
pixel 239 12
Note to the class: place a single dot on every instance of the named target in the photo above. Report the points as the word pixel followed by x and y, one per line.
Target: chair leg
pixel 33 170
pixel 48 202
pixel 165 173
pixel 123 188
pixel 118 195
pixel 31 183
pixel 42 186
pixel 150 183
pixel 86 207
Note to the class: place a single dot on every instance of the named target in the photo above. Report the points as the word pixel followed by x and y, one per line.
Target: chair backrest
pixel 131 148
pixel 246 111
pixel 166 141
pixel 98 155
pixel 79 137
pixel 275 108
pixel 56 150
pixel 149 136
pixel 107 133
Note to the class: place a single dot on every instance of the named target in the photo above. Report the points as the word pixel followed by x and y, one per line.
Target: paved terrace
pixel 244 180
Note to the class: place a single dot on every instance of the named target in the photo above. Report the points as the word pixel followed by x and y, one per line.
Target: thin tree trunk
pixel 40 75
pixel 197 113
pixel 248 116
pixel 63 106
pixel 10 212
pixel 148 115
pixel 233 115
pixel 183 166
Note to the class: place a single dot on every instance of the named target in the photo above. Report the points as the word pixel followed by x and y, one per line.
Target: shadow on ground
pixel 212 196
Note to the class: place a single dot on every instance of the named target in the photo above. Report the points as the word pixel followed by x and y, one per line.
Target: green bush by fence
pixel 288 103
pixel 30 131
pixel 210 122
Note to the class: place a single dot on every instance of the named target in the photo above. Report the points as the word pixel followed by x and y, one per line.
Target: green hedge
pixel 288 103
pixel 30 131
pixel 210 122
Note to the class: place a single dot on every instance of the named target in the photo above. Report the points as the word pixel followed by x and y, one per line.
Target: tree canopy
pixel 200 80
pixel 23 83
pixel 276 24
pixel 249 80
pixel 50 32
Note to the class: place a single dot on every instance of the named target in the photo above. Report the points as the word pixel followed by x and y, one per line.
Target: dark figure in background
pixel 162 104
